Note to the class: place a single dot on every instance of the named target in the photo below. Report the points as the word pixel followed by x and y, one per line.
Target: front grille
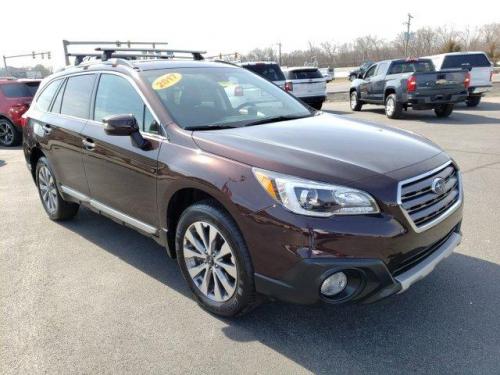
pixel 422 204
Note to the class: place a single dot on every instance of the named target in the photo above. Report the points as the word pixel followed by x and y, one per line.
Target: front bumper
pixel 369 280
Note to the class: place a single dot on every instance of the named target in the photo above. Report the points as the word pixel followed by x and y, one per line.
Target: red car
pixel 15 99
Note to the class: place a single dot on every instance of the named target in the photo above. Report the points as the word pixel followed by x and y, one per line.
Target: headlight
pixel 315 198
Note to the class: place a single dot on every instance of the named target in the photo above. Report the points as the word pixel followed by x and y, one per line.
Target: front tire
pixel 9 135
pixel 214 260
pixel 354 102
pixel 473 101
pixel 393 109
pixel 444 110
pixel 55 206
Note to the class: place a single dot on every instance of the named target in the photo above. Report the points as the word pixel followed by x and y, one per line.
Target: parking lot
pixel 91 296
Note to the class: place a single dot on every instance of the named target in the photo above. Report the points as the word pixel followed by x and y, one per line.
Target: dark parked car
pixel 358 73
pixel 401 84
pixel 266 198
pixel 269 70
pixel 15 99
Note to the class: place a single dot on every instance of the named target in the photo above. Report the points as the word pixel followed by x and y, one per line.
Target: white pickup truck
pixel 479 66
pixel 307 84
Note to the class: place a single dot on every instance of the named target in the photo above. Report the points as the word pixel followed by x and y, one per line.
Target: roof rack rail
pixel 115 50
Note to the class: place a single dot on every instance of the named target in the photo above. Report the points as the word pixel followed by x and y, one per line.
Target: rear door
pixel 307 82
pixel 121 176
pixel 59 128
pixel 477 63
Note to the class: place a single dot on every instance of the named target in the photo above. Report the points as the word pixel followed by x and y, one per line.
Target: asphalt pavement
pixel 90 296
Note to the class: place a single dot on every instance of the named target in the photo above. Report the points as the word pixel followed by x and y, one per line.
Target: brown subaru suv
pixel 252 191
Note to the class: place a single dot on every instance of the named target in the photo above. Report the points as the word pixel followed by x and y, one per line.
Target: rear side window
pixel 465 61
pixel 32 86
pixel 305 74
pixel 116 96
pixel 45 98
pixel 422 66
pixel 16 90
pixel 76 99
pixel 272 72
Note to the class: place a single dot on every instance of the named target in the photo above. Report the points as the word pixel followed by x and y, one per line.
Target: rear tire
pixel 9 135
pixel 55 206
pixel 393 109
pixel 444 110
pixel 222 284
pixel 473 101
pixel 354 101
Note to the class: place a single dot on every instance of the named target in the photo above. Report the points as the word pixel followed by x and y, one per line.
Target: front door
pixel 121 176
pixel 365 86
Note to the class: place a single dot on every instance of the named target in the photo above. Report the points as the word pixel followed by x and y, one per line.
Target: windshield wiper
pixel 209 127
pixel 269 120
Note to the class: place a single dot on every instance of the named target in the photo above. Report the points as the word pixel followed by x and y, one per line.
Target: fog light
pixel 334 284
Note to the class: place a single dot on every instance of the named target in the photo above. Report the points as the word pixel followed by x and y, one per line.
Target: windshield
pixel 271 72
pixel 221 97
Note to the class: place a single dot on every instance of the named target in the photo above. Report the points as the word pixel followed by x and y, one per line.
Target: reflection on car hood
pixel 329 147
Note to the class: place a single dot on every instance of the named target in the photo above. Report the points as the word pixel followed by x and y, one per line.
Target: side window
pixel 56 107
pixel 45 98
pixel 371 71
pixel 76 99
pixel 150 124
pixel 382 69
pixel 115 96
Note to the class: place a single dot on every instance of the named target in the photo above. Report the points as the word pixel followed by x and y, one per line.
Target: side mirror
pixel 126 125
pixel 120 125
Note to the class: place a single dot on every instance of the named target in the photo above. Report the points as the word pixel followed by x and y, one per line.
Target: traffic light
pixel 33 54
pixel 48 55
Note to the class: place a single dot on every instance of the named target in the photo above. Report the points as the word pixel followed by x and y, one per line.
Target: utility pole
pixel 407 36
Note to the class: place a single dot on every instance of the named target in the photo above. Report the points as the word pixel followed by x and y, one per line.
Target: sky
pixel 224 26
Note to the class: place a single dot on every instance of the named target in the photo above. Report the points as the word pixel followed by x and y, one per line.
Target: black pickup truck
pixel 400 84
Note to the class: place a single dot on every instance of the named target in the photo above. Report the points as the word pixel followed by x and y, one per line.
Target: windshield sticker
pixel 167 80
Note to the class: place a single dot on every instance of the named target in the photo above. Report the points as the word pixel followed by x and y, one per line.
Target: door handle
pixel 88 144
pixel 47 129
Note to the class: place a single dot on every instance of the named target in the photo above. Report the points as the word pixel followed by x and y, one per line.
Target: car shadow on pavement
pixel 460 117
pixel 447 323
pixel 483 106
pixel 130 246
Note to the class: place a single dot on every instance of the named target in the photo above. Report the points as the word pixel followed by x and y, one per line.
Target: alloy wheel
pixel 48 190
pixel 210 261
pixel 389 107
pixel 6 133
pixel 354 100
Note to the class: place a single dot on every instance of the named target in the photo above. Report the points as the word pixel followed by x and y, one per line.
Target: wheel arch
pixel 179 201
pixel 35 154
pixel 388 91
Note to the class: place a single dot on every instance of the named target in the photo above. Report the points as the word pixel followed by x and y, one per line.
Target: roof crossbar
pixel 130 52
pixel 116 43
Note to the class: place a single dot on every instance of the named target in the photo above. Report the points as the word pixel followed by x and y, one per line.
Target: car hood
pixel 326 147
